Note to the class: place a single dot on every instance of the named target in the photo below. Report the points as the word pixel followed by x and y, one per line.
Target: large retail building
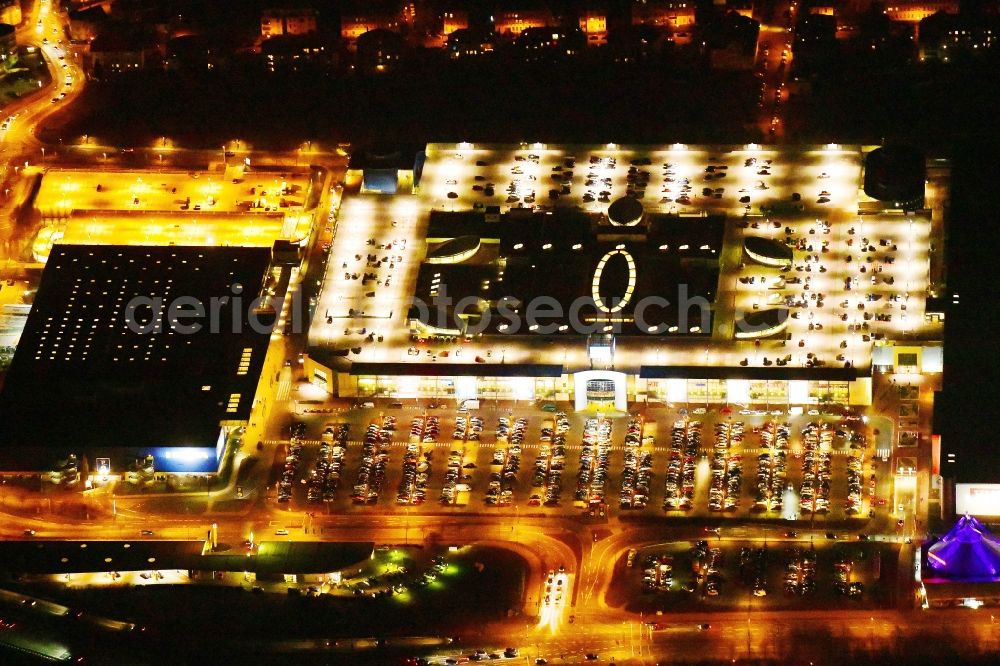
pixel 113 366
pixel 418 280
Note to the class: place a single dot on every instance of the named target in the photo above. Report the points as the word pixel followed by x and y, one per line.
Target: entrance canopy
pixel 600 386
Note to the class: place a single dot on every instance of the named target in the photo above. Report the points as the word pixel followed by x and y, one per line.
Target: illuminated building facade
pixel 961 568
pixel 594 24
pixel 665 14
pixel 914 12
pixel 514 22
pixel 278 22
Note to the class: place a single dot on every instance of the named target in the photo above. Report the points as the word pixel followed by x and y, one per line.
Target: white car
pixel 281 532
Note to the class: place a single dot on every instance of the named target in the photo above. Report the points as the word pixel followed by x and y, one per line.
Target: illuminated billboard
pixel 977 499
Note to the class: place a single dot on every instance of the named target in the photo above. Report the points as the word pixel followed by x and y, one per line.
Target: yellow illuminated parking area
pixel 160 229
pixel 456 177
pixel 64 191
pixel 169 208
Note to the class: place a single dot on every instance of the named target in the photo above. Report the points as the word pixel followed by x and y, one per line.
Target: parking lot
pixel 849 284
pixel 664 462
pixel 673 178
pixel 724 574
pixel 853 279
pixel 169 208
pixel 63 191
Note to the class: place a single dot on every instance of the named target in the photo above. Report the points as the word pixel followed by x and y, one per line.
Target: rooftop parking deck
pixel 169 208
pixel 854 279
pixel 64 190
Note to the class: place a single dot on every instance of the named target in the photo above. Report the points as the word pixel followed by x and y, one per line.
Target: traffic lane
pixel 128 524
pixel 28 32
pixel 786 635
pixel 551 547
pixel 40 107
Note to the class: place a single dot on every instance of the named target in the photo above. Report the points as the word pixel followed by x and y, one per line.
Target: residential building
pixel 120 48
pixel 732 42
pixel 454 19
pixel 594 24
pixel 663 13
pixel 287 21
pixel 10 12
pixel 741 7
pixel 468 42
pixel 944 37
pixel 632 43
pixel 823 9
pixel 914 11
pixel 297 53
pixel 359 19
pixel 197 52
pixel 379 50
pixel 84 24
pixel 815 40
pixel 534 42
pixel 512 22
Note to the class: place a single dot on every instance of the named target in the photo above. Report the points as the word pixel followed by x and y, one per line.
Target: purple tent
pixel 968 551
